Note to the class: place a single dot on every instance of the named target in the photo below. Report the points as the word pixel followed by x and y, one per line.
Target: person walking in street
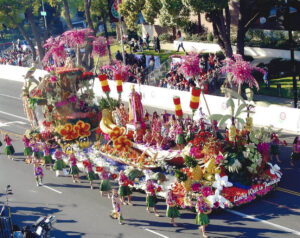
pixel 296 151
pixel 90 173
pixel 147 40
pixel 27 149
pixel 202 219
pixel 47 156
pixel 124 189
pixel 274 149
pixel 105 183
pixel 59 164
pixel 180 41
pixel 38 171
pixel 172 211
pixel 9 149
pixel 116 212
pixel 74 171
pixel 151 198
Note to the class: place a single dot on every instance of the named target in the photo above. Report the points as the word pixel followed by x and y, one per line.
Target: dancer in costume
pixel 124 189
pixel 35 149
pixel 179 135
pixel 274 149
pixel 47 156
pixel 172 210
pixel 151 198
pixel 116 212
pixel 296 151
pixel 202 219
pixel 136 112
pixel 9 149
pixel 74 171
pixel 27 149
pixel 105 183
pixel 59 164
pixel 90 173
pixel 38 172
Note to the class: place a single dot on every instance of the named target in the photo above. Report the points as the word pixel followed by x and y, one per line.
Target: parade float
pixel 193 158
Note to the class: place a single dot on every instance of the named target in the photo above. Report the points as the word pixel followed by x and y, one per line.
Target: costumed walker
pixel 38 172
pixel 202 219
pixel 172 211
pixel 74 171
pixel 105 185
pixel 9 149
pixel 27 149
pixel 151 198
pixel 116 205
pixel 59 164
pixel 124 189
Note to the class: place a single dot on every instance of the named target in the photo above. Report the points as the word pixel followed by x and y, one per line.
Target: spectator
pixel 180 41
pixel 147 39
pixel 119 56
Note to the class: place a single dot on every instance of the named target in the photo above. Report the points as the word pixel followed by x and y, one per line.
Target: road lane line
pixel 13 115
pixel 286 229
pixel 154 232
pixel 288 191
pixel 54 190
pixel 8 96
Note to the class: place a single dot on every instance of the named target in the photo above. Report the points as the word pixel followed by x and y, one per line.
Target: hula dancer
pixel 116 212
pixel 179 135
pixel 47 156
pixel 59 164
pixel 275 147
pixel 105 184
pixel 90 173
pixel 9 149
pixel 202 219
pixel 151 198
pixel 36 150
pixel 27 149
pixel 74 171
pixel 296 151
pixel 172 210
pixel 38 172
pixel 124 190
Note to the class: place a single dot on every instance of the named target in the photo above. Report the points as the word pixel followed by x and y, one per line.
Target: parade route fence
pixel 276 116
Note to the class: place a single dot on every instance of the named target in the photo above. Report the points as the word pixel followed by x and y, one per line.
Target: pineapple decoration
pixel 185 181
pixel 249 120
pixel 249 123
pixel 232 133
pixel 195 169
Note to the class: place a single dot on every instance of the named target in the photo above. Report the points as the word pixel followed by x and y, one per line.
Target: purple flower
pixel 53 78
pixel 206 191
pixel 196 187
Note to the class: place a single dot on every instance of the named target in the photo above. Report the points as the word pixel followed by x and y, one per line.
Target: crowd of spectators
pixel 14 55
pixel 209 72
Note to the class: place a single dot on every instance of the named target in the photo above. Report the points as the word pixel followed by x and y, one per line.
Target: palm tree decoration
pixel 240 71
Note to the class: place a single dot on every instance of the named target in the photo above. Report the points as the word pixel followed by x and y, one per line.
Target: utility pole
pixel 121 33
pixel 45 19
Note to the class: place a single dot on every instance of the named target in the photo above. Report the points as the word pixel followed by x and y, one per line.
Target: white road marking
pixel 286 229
pixel 12 122
pixel 13 115
pixel 8 96
pixel 154 232
pixel 54 190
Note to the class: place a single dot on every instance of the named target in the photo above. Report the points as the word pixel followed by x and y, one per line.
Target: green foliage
pixel 110 104
pixel 190 161
pixel 200 6
pixel 151 10
pixel 166 37
pixel 210 37
pixel 181 177
pixel 130 10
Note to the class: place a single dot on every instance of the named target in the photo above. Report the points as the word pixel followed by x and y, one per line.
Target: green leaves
pixel 130 10
pixel 190 161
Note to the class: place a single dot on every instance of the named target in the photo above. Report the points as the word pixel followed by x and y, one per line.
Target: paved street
pixel 81 212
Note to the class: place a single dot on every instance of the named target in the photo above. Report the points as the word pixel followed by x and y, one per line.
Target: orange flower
pixel 82 128
pixel 68 133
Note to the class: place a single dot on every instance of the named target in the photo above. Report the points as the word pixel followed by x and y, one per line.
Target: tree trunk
pixel 35 33
pixel 174 32
pixel 87 6
pixel 67 14
pixel 199 24
pixel 107 40
pixel 240 40
pixel 28 40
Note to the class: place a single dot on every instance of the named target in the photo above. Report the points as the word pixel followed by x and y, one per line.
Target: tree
pixel 196 7
pixel 151 10
pixel 12 14
pixel 173 14
pixel 87 12
pixel 130 10
pixel 66 11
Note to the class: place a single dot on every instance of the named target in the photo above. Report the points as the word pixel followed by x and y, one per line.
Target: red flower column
pixel 195 99
pixel 104 84
pixel 178 110
pixel 118 78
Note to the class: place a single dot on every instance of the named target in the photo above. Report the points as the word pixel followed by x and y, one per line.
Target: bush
pixel 166 37
pixel 210 37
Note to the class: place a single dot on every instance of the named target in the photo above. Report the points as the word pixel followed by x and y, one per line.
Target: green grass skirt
pixel 202 219
pixel 59 165
pixel 90 176
pixel 47 159
pixel 27 151
pixel 151 201
pixel 124 191
pixel 9 150
pixel 105 185
pixel 74 170
pixel 172 212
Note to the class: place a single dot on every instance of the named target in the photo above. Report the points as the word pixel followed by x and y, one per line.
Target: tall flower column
pixel 118 78
pixel 104 84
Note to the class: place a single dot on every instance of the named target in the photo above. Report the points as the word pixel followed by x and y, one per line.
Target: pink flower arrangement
pixel 241 71
pixel 74 38
pixel 119 68
pixel 219 159
pixel 206 191
pixel 99 46
pixel 195 152
pixel 196 187
pixel 53 78
pixel 263 148
pixel 190 65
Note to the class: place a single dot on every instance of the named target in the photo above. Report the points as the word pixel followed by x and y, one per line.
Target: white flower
pixel 217 198
pixel 221 182
pixel 275 169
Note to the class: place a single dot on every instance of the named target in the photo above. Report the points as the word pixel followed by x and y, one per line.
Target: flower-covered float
pixel 192 157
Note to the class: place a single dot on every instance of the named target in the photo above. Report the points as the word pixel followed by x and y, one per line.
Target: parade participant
pixel 275 147
pixel 9 149
pixel 90 173
pixel 116 212
pixel 27 149
pixel 296 150
pixel 189 135
pixel 105 183
pixel 202 219
pixel 136 112
pixel 124 190
pixel 172 211
pixel 179 135
pixel 151 198
pixel 156 129
pixel 147 138
pixel 47 156
pixel 59 164
pixel 38 171
pixel 74 171
pixel 35 149
pixel 172 123
pixel 123 114
pixel 164 133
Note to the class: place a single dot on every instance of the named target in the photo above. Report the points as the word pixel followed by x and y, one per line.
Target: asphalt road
pixel 81 212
